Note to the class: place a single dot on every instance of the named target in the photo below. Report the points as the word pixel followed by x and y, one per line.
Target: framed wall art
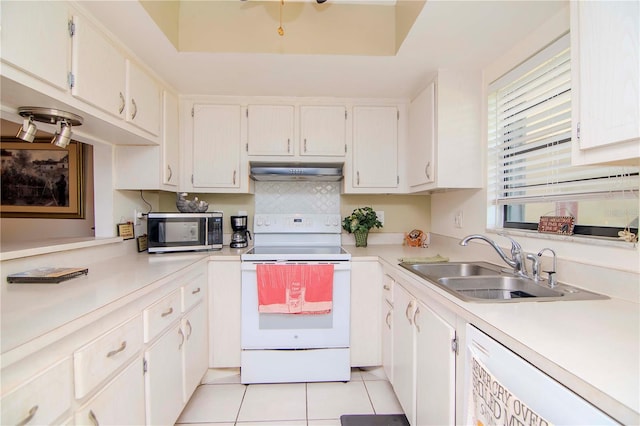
pixel 41 180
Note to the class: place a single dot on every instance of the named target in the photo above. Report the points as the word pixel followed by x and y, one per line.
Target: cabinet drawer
pixel 192 293
pixel 161 314
pixel 95 361
pixel 42 400
pixel 121 402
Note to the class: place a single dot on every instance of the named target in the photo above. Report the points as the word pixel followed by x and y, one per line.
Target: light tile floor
pixel 223 401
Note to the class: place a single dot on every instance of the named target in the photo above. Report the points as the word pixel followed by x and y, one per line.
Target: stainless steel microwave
pixel 170 232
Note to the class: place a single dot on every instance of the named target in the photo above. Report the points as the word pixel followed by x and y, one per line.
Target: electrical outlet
pixel 136 217
pixel 457 219
pixel 380 215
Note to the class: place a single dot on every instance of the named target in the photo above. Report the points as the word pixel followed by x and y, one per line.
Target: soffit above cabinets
pixel 335 27
pixel 438 34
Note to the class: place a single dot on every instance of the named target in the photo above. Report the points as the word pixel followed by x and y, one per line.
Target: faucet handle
pixel 535 266
pixel 515 246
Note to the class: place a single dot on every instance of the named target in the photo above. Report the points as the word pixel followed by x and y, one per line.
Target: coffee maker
pixel 241 235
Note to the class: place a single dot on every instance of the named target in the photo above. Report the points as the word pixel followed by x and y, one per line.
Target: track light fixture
pixel 51 116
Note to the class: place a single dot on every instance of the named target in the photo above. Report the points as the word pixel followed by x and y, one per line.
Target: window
pixel 530 172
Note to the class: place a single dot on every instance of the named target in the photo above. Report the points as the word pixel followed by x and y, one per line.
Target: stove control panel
pixel 297 223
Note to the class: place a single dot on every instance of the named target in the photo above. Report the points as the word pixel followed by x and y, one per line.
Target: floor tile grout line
pixel 246 387
pixel 369 396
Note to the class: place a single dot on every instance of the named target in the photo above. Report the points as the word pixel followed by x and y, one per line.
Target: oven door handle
pixel 337 266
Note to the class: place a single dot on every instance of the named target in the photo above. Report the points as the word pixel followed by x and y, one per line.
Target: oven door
pixel 296 331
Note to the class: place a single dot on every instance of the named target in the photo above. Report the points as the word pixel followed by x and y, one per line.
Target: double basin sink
pixel 485 282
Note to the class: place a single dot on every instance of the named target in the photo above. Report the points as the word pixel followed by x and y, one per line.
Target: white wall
pixel 472 204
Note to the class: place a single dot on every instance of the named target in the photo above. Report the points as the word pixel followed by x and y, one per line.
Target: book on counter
pixel 46 275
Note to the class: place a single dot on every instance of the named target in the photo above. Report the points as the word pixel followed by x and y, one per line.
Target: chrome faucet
pixel 516 261
pixel 552 273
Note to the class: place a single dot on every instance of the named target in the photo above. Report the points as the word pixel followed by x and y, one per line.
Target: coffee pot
pixel 241 235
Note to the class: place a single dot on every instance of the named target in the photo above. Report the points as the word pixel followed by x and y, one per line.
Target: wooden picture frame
pixel 41 180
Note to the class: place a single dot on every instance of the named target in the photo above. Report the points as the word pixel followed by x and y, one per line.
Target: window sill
pixel 578 239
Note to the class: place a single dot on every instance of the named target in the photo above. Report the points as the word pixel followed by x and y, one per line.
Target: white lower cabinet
pixel 120 402
pixel 423 361
pixel 163 378
pixel 386 325
pixel 365 308
pixel 42 400
pixel 224 317
pixel 194 351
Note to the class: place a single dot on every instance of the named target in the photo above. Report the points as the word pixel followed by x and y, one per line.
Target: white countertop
pixel 590 346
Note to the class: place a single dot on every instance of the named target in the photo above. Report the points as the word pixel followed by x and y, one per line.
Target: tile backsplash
pixel 297 197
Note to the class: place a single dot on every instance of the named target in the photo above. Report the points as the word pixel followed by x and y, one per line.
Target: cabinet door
pixel 163 380
pixel 435 368
pixel 99 69
pixel 404 378
pixel 224 317
pixel 216 146
pixel 323 130
pixel 608 62
pixel 365 311
pixel 194 353
pixel 143 100
pixel 375 147
pixel 121 402
pixel 36 39
pixel 270 129
pixel 422 138
pixel 170 140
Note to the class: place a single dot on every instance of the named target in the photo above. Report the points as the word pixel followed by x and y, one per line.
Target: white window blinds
pixel 530 138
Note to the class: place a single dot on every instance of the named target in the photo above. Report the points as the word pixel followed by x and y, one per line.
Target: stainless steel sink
pixel 435 271
pixel 484 282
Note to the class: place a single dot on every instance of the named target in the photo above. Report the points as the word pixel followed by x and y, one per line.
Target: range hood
pixel 330 172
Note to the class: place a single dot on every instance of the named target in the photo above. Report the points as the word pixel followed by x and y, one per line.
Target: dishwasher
pixel 501 388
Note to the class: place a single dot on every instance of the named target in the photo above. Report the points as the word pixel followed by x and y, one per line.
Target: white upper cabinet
pixel 161 164
pixel 170 162
pixel 216 148
pixel 422 124
pixel 36 39
pixel 605 56
pixel 270 129
pixel 99 69
pixel 323 130
pixel 105 78
pixel 444 144
pixel 374 162
pixel 143 100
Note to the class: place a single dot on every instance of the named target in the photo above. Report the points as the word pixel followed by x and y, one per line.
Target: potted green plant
pixel 359 222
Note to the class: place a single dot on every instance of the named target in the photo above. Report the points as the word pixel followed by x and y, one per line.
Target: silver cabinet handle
pixel 93 418
pixel 135 108
pixel 234 177
pixel 169 312
pixel 305 144
pixel 416 315
pixel 388 320
pixel 196 291
pixel 190 329
pixel 32 413
pixel 288 146
pixel 426 170
pixel 406 312
pixel 170 173
pixel 357 178
pixel 114 352
pixel 181 338
pixel 386 287
pixel 121 107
